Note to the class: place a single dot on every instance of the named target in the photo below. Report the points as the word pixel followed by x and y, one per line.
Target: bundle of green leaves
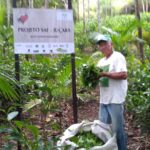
pixel 90 75
pixel 86 140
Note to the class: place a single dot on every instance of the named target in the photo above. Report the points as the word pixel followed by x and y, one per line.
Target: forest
pixel 42 95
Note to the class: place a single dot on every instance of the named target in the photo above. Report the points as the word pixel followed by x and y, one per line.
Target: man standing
pixel 113 89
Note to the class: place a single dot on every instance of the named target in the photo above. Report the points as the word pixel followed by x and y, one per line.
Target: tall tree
pixel 137 11
pixel 143 5
pixel 98 14
pixel 78 8
pixel 46 3
pixel 126 9
pixel 111 9
pixel 84 28
pixel 30 3
pixel 147 4
pixel 24 3
pixel 88 10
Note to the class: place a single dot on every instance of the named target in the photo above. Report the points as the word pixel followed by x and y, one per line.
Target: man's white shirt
pixel 117 89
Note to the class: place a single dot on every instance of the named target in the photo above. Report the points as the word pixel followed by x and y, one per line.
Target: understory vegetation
pixel 46 80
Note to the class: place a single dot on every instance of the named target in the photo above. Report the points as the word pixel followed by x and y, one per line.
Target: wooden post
pixel 74 97
pixel 17 76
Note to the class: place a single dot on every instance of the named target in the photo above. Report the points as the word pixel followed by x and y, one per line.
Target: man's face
pixel 104 46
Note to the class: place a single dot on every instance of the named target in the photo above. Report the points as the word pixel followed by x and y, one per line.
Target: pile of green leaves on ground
pixel 86 140
pixel 90 75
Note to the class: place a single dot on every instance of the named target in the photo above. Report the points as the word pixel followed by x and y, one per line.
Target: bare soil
pixel 87 110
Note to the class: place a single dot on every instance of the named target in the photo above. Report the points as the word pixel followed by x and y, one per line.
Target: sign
pixel 43 31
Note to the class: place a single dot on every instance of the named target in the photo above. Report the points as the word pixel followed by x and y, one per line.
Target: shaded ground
pixel 87 111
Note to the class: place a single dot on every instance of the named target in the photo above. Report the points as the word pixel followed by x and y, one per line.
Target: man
pixel 113 89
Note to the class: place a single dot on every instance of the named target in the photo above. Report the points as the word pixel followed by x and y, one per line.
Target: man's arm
pixel 115 75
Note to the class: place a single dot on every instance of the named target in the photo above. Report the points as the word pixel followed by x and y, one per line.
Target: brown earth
pixel 88 110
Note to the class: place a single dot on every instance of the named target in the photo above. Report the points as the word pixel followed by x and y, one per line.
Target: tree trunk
pixel 139 30
pixel 46 3
pixel 111 12
pixel 78 10
pixel 106 10
pixel 143 5
pixel 30 3
pixel 23 3
pixel 88 10
pixel 146 3
pixel 126 9
pixel 98 14
pixel 84 17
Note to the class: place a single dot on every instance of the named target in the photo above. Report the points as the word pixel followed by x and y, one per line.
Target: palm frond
pixel 7 89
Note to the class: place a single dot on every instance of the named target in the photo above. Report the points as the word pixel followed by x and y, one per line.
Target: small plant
pixel 27 135
pixel 139 94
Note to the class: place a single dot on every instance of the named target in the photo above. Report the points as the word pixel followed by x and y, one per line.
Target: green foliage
pixel 146 35
pixel 6 40
pixel 81 42
pixel 2 12
pixel 138 99
pixel 57 4
pixel 90 75
pixel 86 140
pixel 85 59
pixel 7 87
pixel 11 95
pixel 123 30
pixel 47 79
pixel 39 4
pixel 91 25
pixel 48 76
pixel 28 135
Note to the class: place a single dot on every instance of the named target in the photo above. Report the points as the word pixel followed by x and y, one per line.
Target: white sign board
pixel 43 31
